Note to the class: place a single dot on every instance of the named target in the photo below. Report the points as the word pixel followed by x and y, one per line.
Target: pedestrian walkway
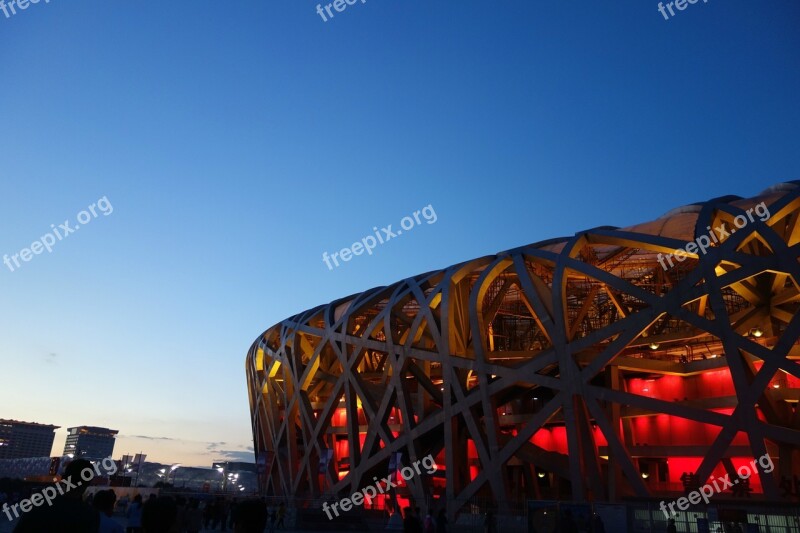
pixel 8 527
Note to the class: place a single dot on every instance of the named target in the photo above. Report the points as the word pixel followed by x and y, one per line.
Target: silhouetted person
pixel 220 514
pixel 208 513
pixel 280 515
pixel 159 515
pixel 441 522
pixel 429 524
pixel 410 523
pixel 251 517
pixel 104 503
pixel 488 523
pixel 671 526
pixel 180 516
pixel 134 515
pixel 215 513
pixel 597 524
pixel 233 513
pixel 194 517
pixel 272 516
pixel 68 514
pixel 122 503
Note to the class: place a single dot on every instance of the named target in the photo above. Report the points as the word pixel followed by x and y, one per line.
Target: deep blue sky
pixel 239 140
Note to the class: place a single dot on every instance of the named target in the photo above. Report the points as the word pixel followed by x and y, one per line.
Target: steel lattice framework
pixel 475 362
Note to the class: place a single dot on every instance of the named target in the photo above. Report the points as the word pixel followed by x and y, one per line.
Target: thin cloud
pixel 146 437
pixel 236 455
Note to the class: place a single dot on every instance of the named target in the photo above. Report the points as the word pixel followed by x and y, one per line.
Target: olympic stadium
pixel 611 365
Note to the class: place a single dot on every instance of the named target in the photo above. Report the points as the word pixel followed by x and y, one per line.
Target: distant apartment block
pixel 90 442
pixel 19 440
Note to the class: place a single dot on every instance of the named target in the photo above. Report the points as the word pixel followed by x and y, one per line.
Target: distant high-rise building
pixel 90 442
pixel 25 439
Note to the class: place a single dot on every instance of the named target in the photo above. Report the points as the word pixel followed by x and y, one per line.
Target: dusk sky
pixel 238 141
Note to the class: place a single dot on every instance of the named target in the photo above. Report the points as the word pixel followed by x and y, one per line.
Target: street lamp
pixel 231 479
pixel 172 470
pixel 221 470
pixel 126 466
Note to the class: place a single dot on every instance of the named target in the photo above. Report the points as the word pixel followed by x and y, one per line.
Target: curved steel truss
pixel 588 337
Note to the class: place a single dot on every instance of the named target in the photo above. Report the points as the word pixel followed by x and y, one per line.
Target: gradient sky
pixel 237 141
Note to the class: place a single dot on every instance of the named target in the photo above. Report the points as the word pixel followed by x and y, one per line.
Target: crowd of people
pixel 71 513
pixel 412 523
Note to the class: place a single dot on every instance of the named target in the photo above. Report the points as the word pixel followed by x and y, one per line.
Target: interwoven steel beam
pixel 473 362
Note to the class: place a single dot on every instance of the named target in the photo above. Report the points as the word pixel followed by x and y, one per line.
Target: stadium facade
pixel 599 367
